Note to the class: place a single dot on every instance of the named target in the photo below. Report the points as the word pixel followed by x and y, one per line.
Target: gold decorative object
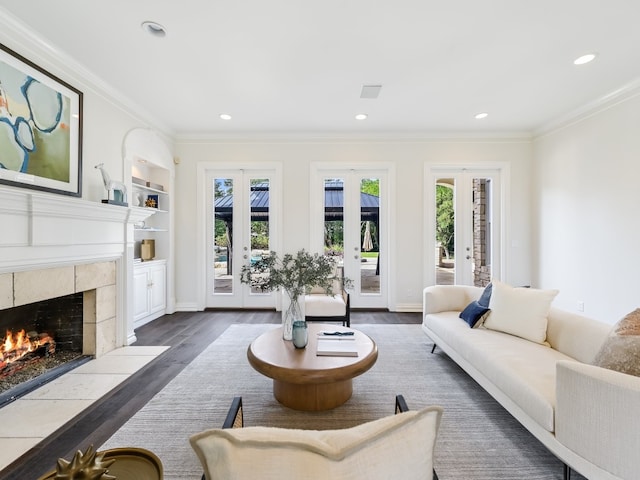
pixel 87 466
pixel 114 464
pixel 148 249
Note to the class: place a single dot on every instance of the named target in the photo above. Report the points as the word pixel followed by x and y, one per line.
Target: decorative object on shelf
pixel 152 201
pixel 118 188
pixel 147 249
pixel 41 138
pixel 155 186
pixel 295 275
pixel 300 334
pixel 138 181
pixel 139 200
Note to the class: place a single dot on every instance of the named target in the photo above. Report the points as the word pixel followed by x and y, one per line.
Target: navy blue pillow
pixel 473 312
pixel 486 296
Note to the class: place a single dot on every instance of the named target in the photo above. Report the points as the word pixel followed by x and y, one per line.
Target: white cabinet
pixel 149 291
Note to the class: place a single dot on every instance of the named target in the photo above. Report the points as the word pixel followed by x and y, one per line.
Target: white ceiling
pixel 298 66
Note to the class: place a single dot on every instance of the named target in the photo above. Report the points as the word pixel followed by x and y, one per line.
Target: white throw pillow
pixel 398 446
pixel 520 311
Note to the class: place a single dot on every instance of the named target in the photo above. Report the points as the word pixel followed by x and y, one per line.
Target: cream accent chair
pixel 335 306
pixel 397 446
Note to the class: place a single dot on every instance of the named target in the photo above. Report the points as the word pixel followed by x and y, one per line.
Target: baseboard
pixel 186 307
pixel 408 307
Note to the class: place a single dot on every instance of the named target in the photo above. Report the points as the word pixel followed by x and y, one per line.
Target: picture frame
pixel 152 201
pixel 40 128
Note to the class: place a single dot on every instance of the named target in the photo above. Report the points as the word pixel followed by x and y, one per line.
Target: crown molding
pixel 622 94
pixel 332 137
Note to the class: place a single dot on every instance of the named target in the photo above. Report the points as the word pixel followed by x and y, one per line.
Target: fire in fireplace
pixel 41 338
pixel 23 348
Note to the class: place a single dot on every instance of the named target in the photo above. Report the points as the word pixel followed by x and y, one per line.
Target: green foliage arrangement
pixel 294 273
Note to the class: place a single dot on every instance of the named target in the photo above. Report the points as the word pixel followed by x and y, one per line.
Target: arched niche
pixel 143 144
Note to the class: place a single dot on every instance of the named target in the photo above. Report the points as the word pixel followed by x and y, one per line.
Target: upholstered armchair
pixel 333 306
pixel 397 446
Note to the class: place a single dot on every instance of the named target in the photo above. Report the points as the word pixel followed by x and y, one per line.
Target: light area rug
pixel 478 439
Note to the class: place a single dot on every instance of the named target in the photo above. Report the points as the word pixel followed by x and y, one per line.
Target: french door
pixel 466 225
pixel 240 230
pixel 349 221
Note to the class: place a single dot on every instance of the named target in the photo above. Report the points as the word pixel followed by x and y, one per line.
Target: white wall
pixel 586 212
pixel 409 158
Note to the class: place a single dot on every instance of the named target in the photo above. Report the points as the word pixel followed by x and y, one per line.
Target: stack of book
pixel 336 344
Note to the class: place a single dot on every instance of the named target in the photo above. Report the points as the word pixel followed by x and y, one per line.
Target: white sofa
pixel 589 417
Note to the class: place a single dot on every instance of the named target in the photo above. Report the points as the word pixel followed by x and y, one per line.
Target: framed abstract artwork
pixel 40 128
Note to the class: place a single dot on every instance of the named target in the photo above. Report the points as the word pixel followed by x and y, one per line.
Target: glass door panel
pixel 369 236
pixel 445 231
pixel 223 235
pixel 259 223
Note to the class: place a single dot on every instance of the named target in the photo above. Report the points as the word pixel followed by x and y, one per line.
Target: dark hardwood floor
pixel 188 334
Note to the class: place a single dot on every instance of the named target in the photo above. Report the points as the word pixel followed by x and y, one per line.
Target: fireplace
pixel 39 338
pixel 61 316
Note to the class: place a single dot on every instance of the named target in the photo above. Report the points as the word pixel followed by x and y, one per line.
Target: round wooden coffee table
pixel 301 379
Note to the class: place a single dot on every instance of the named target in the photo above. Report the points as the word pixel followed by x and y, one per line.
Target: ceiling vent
pixel 370 91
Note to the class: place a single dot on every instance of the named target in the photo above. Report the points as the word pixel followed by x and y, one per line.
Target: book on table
pixel 336 347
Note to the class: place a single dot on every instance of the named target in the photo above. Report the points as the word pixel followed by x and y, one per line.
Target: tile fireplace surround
pixel 97 282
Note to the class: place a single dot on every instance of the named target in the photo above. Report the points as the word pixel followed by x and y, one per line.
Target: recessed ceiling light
pixel 361 116
pixel 225 116
pixel 482 115
pixel 154 28
pixel 589 57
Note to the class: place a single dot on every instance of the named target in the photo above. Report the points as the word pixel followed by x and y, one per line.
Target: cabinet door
pixel 157 288
pixel 140 293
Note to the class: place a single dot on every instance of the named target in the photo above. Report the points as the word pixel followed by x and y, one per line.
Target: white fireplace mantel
pixel 41 229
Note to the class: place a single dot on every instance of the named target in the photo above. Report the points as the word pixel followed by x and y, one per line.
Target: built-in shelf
pixel 158 223
pixel 152 210
pixel 148 189
pixel 150 229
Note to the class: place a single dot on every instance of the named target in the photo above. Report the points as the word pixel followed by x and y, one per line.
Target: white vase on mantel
pixel 292 310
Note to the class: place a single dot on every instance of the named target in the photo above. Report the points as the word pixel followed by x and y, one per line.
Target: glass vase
pixel 292 311
pixel 300 334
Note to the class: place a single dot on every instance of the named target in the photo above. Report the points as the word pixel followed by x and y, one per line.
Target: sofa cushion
pixel 322 305
pixel 522 370
pixel 621 350
pixel 485 298
pixel 473 313
pixel 575 335
pixel 520 311
pixel 398 446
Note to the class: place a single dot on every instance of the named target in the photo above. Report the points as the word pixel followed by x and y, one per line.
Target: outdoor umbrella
pixel 367 243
